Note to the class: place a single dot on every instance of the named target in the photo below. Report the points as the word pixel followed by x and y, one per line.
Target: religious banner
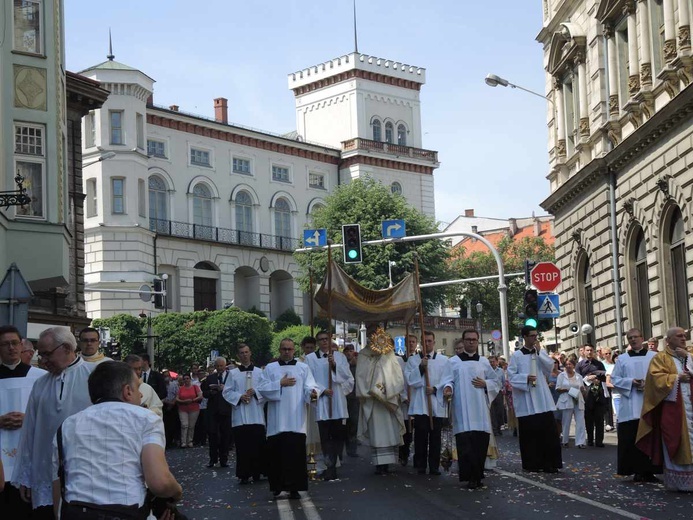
pixel 353 302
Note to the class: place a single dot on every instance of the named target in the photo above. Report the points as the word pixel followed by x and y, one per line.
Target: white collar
pixel 12 367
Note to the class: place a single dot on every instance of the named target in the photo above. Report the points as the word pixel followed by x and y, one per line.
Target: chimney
pixel 469 212
pixel 537 227
pixel 512 225
pixel 221 110
pixel 150 99
pixel 173 108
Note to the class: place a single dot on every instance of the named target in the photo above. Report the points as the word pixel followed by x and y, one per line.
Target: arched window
pixel 202 211
pixel 244 217
pixel 389 132
pixel 158 203
pixel 377 130
pixel 282 218
pixel 640 301
pixel 401 135
pixel 585 297
pixel 677 252
pixel 396 188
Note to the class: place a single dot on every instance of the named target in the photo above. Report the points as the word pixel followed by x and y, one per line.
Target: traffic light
pixel 529 265
pixel 113 350
pixel 531 308
pixel 545 324
pixel 351 235
pixel 158 286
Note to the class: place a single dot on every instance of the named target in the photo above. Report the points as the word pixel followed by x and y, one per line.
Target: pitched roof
pixel 467 246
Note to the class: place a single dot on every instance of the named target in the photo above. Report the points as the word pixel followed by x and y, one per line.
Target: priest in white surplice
pixel 473 385
pixel 331 408
pixel 540 445
pixel 89 344
pixel 56 396
pixel 16 381
pixel 427 439
pixel 379 384
pixel 248 418
pixel 628 377
pixel 287 385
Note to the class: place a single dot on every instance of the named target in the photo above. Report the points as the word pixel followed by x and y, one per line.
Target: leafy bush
pixel 295 332
pixel 286 319
pixel 125 329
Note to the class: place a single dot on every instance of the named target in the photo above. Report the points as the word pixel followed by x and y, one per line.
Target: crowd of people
pixel 69 421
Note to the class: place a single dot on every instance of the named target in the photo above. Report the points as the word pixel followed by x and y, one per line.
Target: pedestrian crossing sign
pixel 548 306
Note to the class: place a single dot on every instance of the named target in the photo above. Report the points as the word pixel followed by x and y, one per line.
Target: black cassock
pixel 286 462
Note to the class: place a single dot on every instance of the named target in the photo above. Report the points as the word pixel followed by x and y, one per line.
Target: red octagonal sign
pixel 545 276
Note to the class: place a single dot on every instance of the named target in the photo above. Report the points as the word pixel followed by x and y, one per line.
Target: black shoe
pixel 474 484
pixel 276 494
pixel 599 445
pixel 515 432
pixel 551 470
pixel 421 471
pixel 211 464
pixel 224 465
pixel 295 495
pixel 244 481
pixel 434 472
pixel 590 443
pixel 649 477
pixel 638 478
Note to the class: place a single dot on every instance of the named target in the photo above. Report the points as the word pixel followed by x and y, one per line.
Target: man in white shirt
pixel 149 399
pixel 55 397
pixel 628 378
pixel 16 381
pixel 472 385
pixel 529 368
pixel 248 417
pixel 288 385
pixel 89 343
pixel 426 374
pixel 106 469
pixel 334 379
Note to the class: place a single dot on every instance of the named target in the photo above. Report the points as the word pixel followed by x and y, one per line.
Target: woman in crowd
pixel 571 402
pixel 188 399
pixel 553 381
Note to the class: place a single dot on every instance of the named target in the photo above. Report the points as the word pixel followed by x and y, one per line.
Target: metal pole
pixel 12 301
pixel 150 339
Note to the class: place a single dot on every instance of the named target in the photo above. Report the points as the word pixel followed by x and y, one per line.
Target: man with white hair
pixel 56 396
pixel 27 353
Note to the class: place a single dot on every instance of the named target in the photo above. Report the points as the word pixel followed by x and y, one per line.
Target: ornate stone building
pixel 618 76
pixel 219 207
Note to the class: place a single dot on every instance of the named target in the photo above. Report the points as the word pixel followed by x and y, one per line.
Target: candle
pixel 533 368
pixel 248 379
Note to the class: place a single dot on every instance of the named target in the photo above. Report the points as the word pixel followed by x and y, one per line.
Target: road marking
pixel 284 508
pixel 309 508
pixel 568 494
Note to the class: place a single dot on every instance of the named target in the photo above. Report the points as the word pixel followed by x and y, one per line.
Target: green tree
pixel 513 253
pixel 286 319
pixel 295 332
pixel 368 202
pixel 125 329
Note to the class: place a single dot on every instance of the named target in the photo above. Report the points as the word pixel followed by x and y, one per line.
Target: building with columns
pixel 618 80
pixel 219 207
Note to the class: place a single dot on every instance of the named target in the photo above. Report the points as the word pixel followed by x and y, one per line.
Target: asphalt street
pixel 586 488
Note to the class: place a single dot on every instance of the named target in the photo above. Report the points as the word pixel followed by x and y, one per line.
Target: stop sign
pixel 545 276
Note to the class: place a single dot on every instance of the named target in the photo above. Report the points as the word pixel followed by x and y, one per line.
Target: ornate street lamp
pixel 15 197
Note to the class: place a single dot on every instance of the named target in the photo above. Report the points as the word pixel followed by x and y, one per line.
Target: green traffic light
pixel 353 254
pixel 531 322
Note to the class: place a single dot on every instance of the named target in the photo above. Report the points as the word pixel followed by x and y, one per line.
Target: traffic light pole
pixel 502 287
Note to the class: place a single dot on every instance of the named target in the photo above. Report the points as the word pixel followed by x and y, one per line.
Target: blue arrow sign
pixel 394 229
pixel 548 306
pixel 399 345
pixel 315 237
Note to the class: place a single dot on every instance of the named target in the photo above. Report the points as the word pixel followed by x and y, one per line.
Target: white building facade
pixel 220 208
pixel 620 148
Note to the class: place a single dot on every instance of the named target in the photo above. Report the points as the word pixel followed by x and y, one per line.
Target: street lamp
pixel 104 157
pixel 479 308
pixel 493 81
pixel 390 265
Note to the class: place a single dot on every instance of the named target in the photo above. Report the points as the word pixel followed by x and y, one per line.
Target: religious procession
pixel 86 437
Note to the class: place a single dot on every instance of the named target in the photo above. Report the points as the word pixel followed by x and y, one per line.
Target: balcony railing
pixel 222 235
pixel 439 323
pixel 359 143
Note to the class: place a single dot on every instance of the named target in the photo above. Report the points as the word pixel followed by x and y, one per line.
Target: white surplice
pixel 237 384
pixel 404 396
pixel 628 368
pixel 528 399
pixel 286 411
pixel 470 405
pixel 438 374
pixel 53 399
pixel 342 385
pixel 14 396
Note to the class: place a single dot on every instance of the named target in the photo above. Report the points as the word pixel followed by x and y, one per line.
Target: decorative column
pixel 633 63
pixel 584 125
pixel 645 44
pixel 684 25
pixel 560 119
pixel 669 31
pixel 612 70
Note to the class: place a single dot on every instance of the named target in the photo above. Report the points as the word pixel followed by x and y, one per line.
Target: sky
pixel 492 142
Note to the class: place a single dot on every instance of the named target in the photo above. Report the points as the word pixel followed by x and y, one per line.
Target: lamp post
pixel 479 308
pixel 390 265
pixel 493 81
pixel 104 157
